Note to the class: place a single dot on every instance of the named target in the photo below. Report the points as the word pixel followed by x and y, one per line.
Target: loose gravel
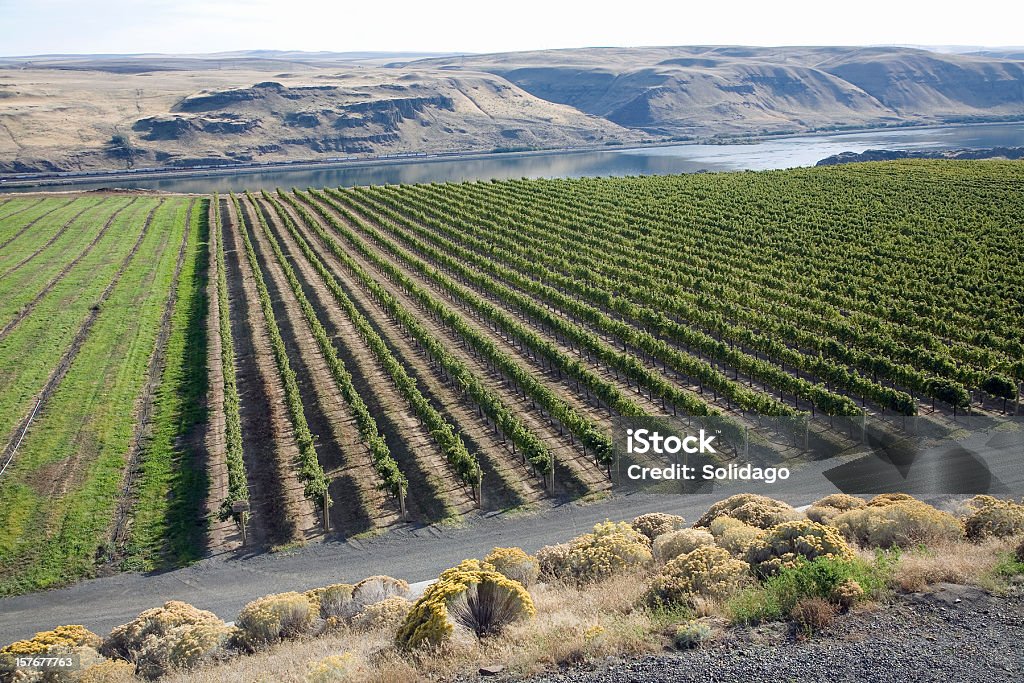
pixel 954 633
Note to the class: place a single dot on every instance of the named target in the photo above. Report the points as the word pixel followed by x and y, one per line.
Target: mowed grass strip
pixel 43 231
pixel 58 496
pixel 18 288
pixel 166 529
pixel 16 225
pixel 31 351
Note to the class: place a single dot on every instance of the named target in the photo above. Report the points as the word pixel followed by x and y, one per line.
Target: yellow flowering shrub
pixel 611 548
pixel 883 499
pixel 275 617
pixel 825 510
pixel 991 517
pixel 675 543
pixel 553 561
pixel 74 635
pixel 707 572
pixel 388 614
pixel 788 543
pixel 734 535
pixel 753 509
pixel 515 564
pixel 472 597
pixel 333 668
pixel 901 523
pixel 374 589
pixel 847 593
pixel 654 524
pixel 128 640
pixel 332 601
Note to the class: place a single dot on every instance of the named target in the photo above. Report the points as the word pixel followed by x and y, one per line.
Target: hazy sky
pixel 112 26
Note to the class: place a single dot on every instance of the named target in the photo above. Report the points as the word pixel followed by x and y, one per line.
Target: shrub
pixel 707 572
pixel 654 524
pixel 182 648
pixel 129 640
pixel 71 636
pixel 611 548
pixel 334 601
pixel 333 668
pixel 471 596
pixel 758 511
pixel 883 499
pixel 692 634
pixel 847 593
pixel 553 561
pixel 788 543
pixel 900 523
pixel 675 543
pixel 734 535
pixel 812 614
pixel 376 589
pixel 1019 553
pixel 108 671
pixel 825 510
pixel 275 617
pixel 992 517
pixel 515 564
pixel 387 614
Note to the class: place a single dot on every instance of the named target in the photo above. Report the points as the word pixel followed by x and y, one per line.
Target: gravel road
pixel 956 634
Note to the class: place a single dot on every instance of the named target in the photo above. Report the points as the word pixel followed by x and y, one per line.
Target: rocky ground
pixel 955 633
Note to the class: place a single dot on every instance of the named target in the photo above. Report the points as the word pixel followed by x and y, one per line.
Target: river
pixel 783 152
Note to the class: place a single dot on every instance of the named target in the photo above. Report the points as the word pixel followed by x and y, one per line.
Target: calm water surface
pixel 779 153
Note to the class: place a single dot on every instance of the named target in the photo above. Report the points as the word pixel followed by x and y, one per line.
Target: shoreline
pixel 43 183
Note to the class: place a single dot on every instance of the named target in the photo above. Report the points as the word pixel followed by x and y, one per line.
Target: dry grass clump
pixel 275 617
pixel 992 517
pixel 71 636
pixel 898 523
pixel 515 564
pixel 333 668
pixel 810 615
pixel 611 548
pixel 675 543
pixel 756 510
pixel 334 601
pixel 792 542
pixel 960 562
pixel 828 508
pixel 708 572
pixel 692 634
pixel 108 671
pixel 654 524
pixel 734 535
pixel 472 596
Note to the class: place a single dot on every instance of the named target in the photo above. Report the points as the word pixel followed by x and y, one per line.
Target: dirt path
pixel 27 309
pixel 35 220
pixel 280 511
pixel 358 505
pixel 144 403
pixel 507 483
pixel 431 487
pixel 574 471
pixel 221 534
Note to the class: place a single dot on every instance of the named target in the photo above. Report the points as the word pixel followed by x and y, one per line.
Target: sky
pixel 29 27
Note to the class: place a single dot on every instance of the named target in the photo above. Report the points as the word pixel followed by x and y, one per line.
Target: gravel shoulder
pixel 953 633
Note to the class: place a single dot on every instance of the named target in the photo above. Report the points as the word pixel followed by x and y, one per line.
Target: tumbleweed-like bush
pixel 789 543
pixel 334 601
pixel 847 593
pixel 990 517
pixel 609 549
pixel 812 614
pixel 692 634
pixel 275 617
pixel 515 564
pixel 386 615
pixel 707 572
pixel 654 524
pixel 375 589
pixel 182 648
pixel 826 509
pixel 753 509
pixel 675 543
pixel 902 523
pixel 472 597
pixel 734 535
pixel 553 561
pixel 128 640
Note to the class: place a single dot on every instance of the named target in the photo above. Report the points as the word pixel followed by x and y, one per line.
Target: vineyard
pixel 179 375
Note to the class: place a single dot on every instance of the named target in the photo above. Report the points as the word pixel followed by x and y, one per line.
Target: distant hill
pixel 92 112
pixel 729 89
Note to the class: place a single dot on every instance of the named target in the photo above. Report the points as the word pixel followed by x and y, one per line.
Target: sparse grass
pixel 959 562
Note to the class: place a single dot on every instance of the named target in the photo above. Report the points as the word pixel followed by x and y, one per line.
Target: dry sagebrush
pixel 654 524
pixel 515 564
pixel 707 572
pixel 669 546
pixel 898 523
pixel 756 510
